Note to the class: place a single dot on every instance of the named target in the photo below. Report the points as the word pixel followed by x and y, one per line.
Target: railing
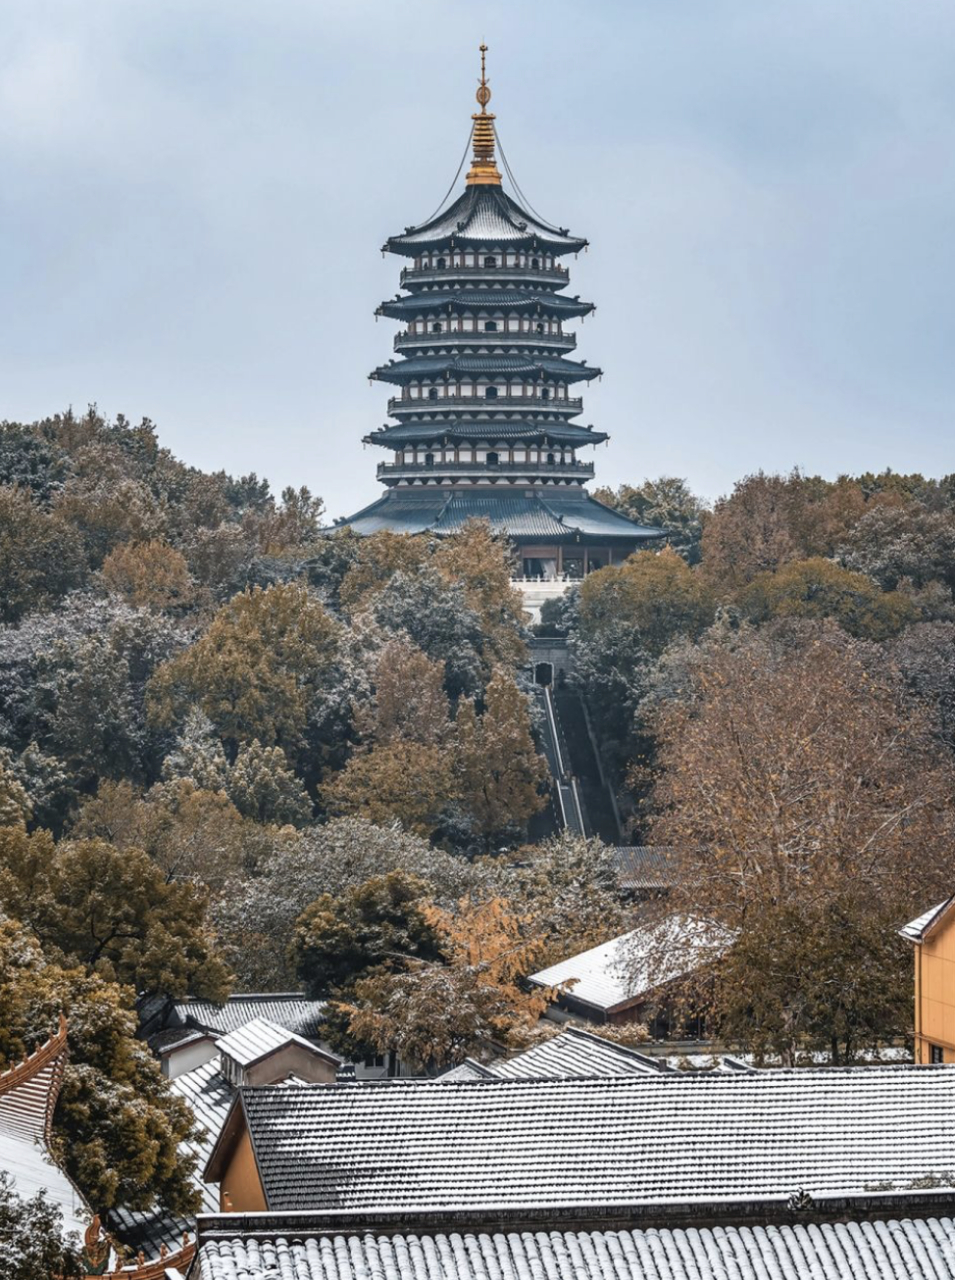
pixel 583 470
pixel 490 404
pixel 411 275
pixel 483 338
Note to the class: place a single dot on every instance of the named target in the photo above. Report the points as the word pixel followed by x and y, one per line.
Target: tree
pixel 897 543
pixel 111 911
pixel 410 704
pixel 15 807
pixel 96 728
pixel 255 671
pixel 378 558
pixel 377 924
pixel 435 1014
pixel 41 557
pixel 151 574
pixel 665 503
pixel 117 1127
pixel 497 770
pixel 655 593
pixel 255 918
pixel 33 1244
pixel 405 781
pixel 483 563
pixel 434 615
pixel 262 787
pixel 749 532
pixel 806 794
pixel 925 655
pixel 198 755
pixel 817 588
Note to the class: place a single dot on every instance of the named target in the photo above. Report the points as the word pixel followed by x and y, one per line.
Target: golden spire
pixel 483 169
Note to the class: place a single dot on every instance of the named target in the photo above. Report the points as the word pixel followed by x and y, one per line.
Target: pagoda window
pixel 441 264
pixel 540 328
pixel 490 326
pixel 551 459
pixel 429 459
pixel 437 327
pixel 545 393
pixel 535 264
pixel 490 261
pixel 490 393
pixel 493 459
pixel 432 393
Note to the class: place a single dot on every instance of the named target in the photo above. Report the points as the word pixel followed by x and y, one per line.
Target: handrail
pixel 487 273
pixel 582 469
pixel 481 337
pixel 492 404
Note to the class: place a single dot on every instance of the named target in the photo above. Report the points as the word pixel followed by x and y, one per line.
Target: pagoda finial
pixel 483 169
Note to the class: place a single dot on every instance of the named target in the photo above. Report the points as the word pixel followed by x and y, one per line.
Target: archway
pixel 544 674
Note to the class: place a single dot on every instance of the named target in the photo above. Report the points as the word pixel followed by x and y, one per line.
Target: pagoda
pixel 486 392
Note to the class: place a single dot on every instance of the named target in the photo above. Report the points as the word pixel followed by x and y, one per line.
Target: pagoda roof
pixel 562 516
pixel 529 300
pixel 423 432
pixel 435 366
pixel 484 215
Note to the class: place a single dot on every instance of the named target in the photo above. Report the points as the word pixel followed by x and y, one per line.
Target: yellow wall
pixel 240 1190
pixel 935 992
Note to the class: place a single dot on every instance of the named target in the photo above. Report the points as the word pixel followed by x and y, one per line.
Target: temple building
pixel 486 394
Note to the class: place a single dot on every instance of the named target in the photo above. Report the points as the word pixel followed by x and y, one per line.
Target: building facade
pixel 933 936
pixel 486 390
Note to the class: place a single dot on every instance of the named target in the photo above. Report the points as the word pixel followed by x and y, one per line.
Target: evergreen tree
pixel 261 786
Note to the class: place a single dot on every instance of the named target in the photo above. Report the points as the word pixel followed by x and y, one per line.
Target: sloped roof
pixel 576 1053
pixel 465 365
pixel 260 1037
pixel 634 1142
pixel 894 1250
pixel 472 299
pixel 484 215
pixel 618 972
pixel 916 930
pixel 28 1092
pixel 289 1009
pixel 492 430
pixel 644 866
pixel 552 515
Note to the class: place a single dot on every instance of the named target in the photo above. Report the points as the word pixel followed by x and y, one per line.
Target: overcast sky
pixel 193 194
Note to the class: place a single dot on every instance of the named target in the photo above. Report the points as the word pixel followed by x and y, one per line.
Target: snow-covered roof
pixel 260 1037
pixel 28 1092
pixel 917 929
pixel 618 972
pixel 289 1009
pixel 923 1247
pixel 576 1053
pixel 645 1142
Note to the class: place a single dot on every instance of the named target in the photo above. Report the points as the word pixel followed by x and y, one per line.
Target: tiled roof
pixel 920 1248
pixel 553 516
pixel 210 1096
pixel 465 365
pixel 916 930
pixel 257 1039
pixel 534 300
pixel 288 1009
pixel 644 866
pixel 493 430
pixel 484 215
pixel 639 1142
pixel 28 1092
pixel 619 971
pixel 576 1053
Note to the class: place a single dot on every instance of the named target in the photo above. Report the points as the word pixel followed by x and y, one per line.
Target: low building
pixel 933 935
pixel 671 1149
pixel 300 1248
pixel 643 976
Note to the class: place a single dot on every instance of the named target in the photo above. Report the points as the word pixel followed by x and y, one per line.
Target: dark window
pixel 936 1053
pixel 490 326
pixel 441 264
pixel 375 1060
pixel 550 459
pixel 436 328
pixel 535 263
pixel 545 394
pixel 429 459
pixel 540 328
pixel 490 262
pixel 490 393
pixel 492 459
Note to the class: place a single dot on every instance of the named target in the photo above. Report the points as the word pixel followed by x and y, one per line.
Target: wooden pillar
pixel 560 560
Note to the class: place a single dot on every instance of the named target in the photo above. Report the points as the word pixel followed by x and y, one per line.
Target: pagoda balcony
pixel 449 470
pixel 502 340
pixel 443 275
pixel 399 405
